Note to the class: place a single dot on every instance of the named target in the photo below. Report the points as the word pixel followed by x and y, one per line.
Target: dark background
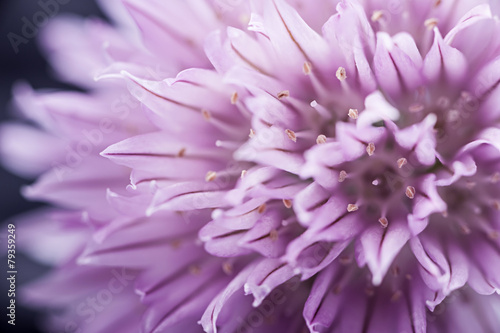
pixel 28 64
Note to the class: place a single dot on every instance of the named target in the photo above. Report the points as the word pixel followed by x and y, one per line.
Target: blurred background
pixel 26 64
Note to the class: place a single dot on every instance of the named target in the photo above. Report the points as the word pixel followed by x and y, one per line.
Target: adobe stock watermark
pixel 93 305
pixel 31 25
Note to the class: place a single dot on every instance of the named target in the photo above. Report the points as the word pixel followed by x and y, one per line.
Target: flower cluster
pixel 235 164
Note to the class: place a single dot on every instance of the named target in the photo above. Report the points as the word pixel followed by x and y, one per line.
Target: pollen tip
pixel 321 139
pixel 352 208
pixel 227 268
pixel 283 94
pixel 307 68
pixel 377 15
pixel 194 269
pixel 287 203
pixel 353 114
pixel 252 133
pixel 410 192
pixel 396 296
pixel 291 135
pixel 273 235
pixel 234 98
pixel 402 162
pixel 342 176
pixel 206 114
pixel 383 222
pixel 370 149
pixel 431 23
pixel 211 175
pixel 243 173
pixel 261 208
pixel 181 152
pixel 416 107
pixel 341 74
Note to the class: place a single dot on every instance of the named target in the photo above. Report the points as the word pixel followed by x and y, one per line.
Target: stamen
pixel 352 208
pixel 206 114
pixel 291 135
pixel 353 114
pixel 377 15
pixel 464 229
pixel 341 74
pixel 431 23
pixel 496 204
pixel 195 269
pixel 395 270
pixel 416 107
pixel 176 243
pixel 337 289
pixel 321 139
pixel 342 176
pixel 370 149
pixel 396 296
pixel 409 277
pixel 227 268
pixel 402 162
pixel 410 192
pixel 283 94
pixel 252 133
pixel 470 184
pixel 274 235
pixel 307 68
pixel 383 222
pixel 211 175
pixel 345 260
pixel 261 209
pixel 287 203
pixel 234 98
pixel 181 152
pixel 243 173
pixel 437 3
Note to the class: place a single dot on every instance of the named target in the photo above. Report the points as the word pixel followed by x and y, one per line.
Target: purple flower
pixel 265 159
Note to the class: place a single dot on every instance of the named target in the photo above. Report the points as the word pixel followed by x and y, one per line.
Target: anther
pixel 370 149
pixel 252 133
pixel 206 114
pixel 321 139
pixel 273 235
pixel 383 222
pixel 402 162
pixel 342 176
pixel 243 173
pixel 377 15
pixel 416 107
pixel 352 208
pixel 283 94
pixel 341 74
pixel 431 23
pixel 287 203
pixel 195 269
pixel 181 152
pixel 353 114
pixel 227 268
pixel 396 296
pixel 261 209
pixel 307 68
pixel 211 175
pixel 410 192
pixel 234 98
pixel 291 135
